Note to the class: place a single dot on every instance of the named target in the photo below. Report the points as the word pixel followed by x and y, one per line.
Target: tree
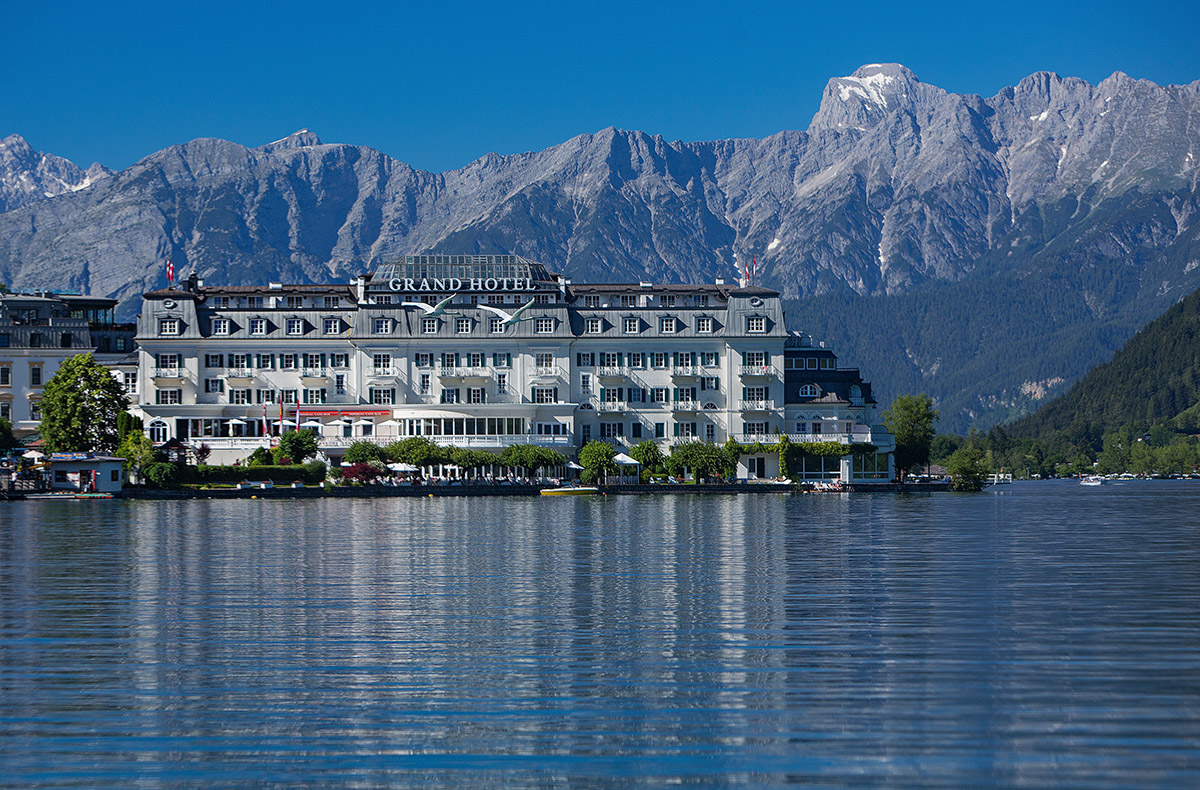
pixel 7 440
pixel 967 469
pixel 80 407
pixel 138 452
pixel 910 421
pixel 363 452
pixel 704 459
pixel 649 456
pixel 418 451
pixel 298 445
pixel 596 458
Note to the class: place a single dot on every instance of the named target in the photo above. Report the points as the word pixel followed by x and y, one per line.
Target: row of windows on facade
pixel 298 327
pixel 35 375
pixel 35 410
pixel 38 340
pixel 384 360
pixel 288 302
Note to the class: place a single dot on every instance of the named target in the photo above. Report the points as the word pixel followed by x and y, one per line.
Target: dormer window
pixel 591 300
pixel 331 302
pixel 258 326
pixel 462 325
pixel 254 302
pixel 667 301
pixel 294 302
pixel 756 324
pixel 220 326
pixel 632 325
pixel 666 325
pixel 167 326
pixel 429 326
pixel 295 326
pixel 704 325
pixel 808 391
pixel 333 326
pixel 381 326
pixel 593 326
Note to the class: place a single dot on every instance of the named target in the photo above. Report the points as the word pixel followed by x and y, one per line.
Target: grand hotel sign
pixel 456 284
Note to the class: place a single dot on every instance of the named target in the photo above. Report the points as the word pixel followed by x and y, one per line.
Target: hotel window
pixel 5 376
pixel 666 301
pixel 666 325
pixel 120 343
pixel 495 300
pixel 827 363
pixel 708 359
pixel 754 358
pixel 812 363
pixel 4 339
pixel 756 323
pixel 637 395
pixel 381 326
pixel 545 359
pixel 660 430
pixel 462 325
pixel 424 359
pixel 168 397
pixel 288 396
pixel 450 395
pixel 429 326
pixel 585 383
pixel 591 300
pixel 295 326
pixel 214 385
pixel 543 326
pixel 710 384
pixel 449 360
pixel 632 325
pixel 628 300
pixel 35 408
pixel 658 360
pixel 339 360
pixel 635 431
pixel 331 302
pixel 220 326
pixel 424 384
pixel 637 361
pixel 702 300
pixel 612 430
pixel 710 432
pixel 221 302
pixel 609 359
pixel 264 396
pixel 495 325
pixel 808 391
pixel 254 302
pixel 35 375
pixel 501 383
pixel 545 394
pixel 756 427
pixel 502 359
pixel 704 325
pixel 585 359
pixel 382 363
pixel 659 395
pixel 294 302
pixel 239 397
pixel 387 299
pixel 258 326
pixel 168 326
pixel 685 429
pixel 474 360
pixel 333 326
pixel 314 361
pixel 314 395
pixel 264 361
pixel 542 299
pixel 475 395
pixel 754 393
pixel 288 361
pixel 382 396
pixel 592 326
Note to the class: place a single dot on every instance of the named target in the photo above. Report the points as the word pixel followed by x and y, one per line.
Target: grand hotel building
pixel 483 351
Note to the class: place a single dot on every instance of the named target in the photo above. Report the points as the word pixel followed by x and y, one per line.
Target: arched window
pixel 808 391
pixel 855 393
pixel 158 431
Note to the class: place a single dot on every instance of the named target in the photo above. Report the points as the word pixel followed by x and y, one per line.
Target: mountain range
pixel 987 251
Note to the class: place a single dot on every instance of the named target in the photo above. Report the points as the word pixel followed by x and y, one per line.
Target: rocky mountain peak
pixel 864 98
pixel 28 175
pixel 299 139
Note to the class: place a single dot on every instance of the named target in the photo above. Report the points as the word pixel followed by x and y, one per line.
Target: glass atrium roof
pixel 464 267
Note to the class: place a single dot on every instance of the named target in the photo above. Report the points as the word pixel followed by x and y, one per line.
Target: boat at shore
pixel 1091 480
pixel 570 491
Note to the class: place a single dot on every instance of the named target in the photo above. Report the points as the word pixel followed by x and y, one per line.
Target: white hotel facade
pixel 483 351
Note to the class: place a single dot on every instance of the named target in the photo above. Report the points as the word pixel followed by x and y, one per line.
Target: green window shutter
pixel 676 426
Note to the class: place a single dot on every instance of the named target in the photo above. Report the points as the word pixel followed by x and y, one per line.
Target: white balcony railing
pixel 465 372
pixel 315 373
pixel 685 370
pixel 168 373
pixel 240 373
pixel 806 438
pixel 547 371
pixel 612 371
pixel 468 442
pixel 383 372
pixel 685 405
pixel 757 405
pixel 757 370
pixel 611 406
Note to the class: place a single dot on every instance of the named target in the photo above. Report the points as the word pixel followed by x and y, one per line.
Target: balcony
pixel 383 372
pixel 240 373
pixel 757 405
pixel 685 405
pixel 806 438
pixel 547 372
pixel 169 373
pixel 610 406
pixel 315 373
pixel 612 371
pixel 685 370
pixel 757 370
pixel 477 442
pixel 465 373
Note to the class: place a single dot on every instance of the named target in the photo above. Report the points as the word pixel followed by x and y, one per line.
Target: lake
pixel 1034 635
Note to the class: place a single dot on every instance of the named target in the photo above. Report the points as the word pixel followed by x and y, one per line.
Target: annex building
pixel 483 351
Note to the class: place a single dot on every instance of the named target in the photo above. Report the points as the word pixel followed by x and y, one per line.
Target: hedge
pixel 311 472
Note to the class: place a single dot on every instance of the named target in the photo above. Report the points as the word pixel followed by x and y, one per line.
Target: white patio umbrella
pixel 312 424
pixel 621 459
pixel 573 465
pixel 402 467
pixel 34 454
pixel 389 424
pixel 363 422
pixel 339 421
pixel 236 421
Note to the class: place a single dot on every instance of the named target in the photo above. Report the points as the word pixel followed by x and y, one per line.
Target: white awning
pixel 621 459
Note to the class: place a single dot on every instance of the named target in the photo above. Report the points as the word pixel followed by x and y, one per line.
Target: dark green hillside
pixel 1154 378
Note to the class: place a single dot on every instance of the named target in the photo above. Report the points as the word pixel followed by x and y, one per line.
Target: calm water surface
pixel 1038 635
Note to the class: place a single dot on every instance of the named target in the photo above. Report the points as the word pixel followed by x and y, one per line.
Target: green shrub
pixel 161 474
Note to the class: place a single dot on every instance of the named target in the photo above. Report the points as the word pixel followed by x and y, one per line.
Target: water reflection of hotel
pixel 483 351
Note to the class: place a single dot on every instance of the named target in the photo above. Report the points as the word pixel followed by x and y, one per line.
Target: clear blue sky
pixel 438 84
